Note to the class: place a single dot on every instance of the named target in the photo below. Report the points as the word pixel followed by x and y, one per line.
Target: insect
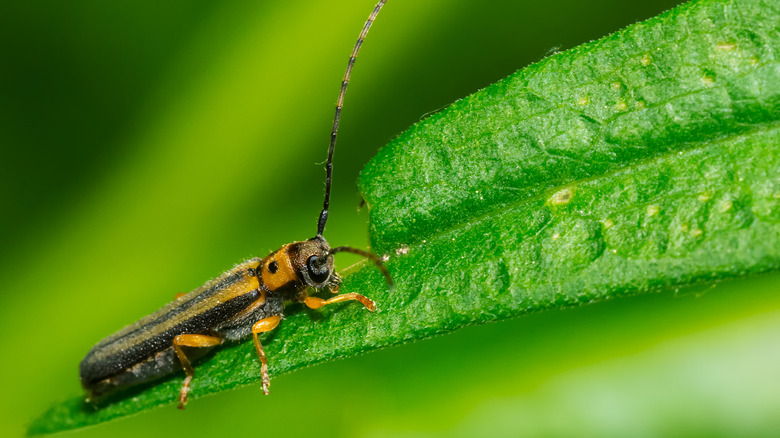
pixel 246 300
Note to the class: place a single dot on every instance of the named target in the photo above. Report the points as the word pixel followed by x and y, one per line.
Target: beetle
pixel 247 299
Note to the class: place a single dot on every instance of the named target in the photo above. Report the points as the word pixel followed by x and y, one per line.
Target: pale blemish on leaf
pixel 726 46
pixel 561 197
pixel 653 210
pixel 708 79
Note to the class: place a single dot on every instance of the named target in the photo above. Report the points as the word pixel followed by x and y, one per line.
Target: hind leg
pixel 190 341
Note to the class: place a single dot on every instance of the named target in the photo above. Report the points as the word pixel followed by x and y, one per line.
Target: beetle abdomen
pixel 198 312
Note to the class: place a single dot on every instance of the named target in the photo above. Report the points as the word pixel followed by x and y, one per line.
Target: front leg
pixel 316 302
pixel 334 283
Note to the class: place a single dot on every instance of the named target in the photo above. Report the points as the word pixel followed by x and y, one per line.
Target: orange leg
pixel 179 295
pixel 316 303
pixel 262 326
pixel 190 341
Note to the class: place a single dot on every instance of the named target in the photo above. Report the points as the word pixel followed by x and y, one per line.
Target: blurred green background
pixel 148 146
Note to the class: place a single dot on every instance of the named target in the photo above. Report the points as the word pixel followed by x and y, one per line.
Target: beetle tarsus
pixel 185 389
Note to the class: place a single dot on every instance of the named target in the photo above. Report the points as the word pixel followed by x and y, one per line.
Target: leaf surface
pixel 646 159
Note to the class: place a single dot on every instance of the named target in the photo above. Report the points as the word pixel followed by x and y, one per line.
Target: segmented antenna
pixel 340 104
pixel 373 257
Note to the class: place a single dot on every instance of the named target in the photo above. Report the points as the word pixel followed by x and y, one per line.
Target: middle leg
pixel 262 326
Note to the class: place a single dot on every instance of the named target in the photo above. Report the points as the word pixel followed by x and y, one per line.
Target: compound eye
pixel 317 272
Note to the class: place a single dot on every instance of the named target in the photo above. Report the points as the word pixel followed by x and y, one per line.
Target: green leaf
pixel 705 71
pixel 646 159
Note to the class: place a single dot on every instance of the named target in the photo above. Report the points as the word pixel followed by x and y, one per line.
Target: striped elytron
pixel 248 299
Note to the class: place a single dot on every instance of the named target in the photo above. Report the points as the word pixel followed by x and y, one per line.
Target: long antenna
pixel 340 104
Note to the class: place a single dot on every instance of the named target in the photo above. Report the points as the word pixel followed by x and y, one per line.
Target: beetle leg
pixel 316 303
pixel 335 283
pixel 262 326
pixel 190 341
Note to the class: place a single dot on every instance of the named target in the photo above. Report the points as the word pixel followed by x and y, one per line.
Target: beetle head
pixel 312 261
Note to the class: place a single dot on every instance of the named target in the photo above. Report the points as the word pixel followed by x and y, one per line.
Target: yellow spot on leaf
pixel 561 197
pixel 584 100
pixel 653 210
pixel 726 46
pixel 607 223
pixel 646 60
pixel 696 232
pixel 704 197
pixel 726 206
pixel 621 106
